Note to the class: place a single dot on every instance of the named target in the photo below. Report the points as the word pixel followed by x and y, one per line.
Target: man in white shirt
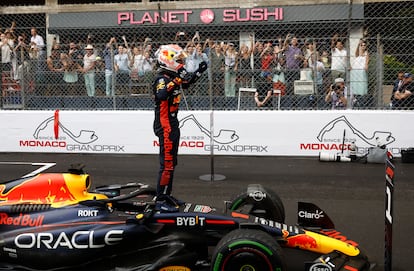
pixel 6 46
pixel 121 65
pixel 192 62
pixel 38 54
pixel 37 44
pixel 339 60
pixel 89 70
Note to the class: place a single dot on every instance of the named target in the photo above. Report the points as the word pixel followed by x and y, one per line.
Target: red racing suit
pixel 167 96
pixel 167 89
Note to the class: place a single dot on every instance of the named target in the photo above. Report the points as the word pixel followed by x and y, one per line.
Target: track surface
pixel 351 193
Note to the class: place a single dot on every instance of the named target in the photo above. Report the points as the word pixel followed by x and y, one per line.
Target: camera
pixel 336 88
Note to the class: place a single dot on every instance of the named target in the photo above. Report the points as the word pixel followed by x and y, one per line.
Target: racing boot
pixel 175 200
pixel 165 204
pixel 165 207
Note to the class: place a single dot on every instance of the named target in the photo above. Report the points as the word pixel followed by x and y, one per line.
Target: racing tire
pixel 263 202
pixel 248 250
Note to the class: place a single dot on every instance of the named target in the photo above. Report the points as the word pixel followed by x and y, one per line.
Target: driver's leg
pixel 168 159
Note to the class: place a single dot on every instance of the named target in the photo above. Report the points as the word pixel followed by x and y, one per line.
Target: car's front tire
pixel 247 250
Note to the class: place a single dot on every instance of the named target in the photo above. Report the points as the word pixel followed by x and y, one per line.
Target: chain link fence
pixel 345 56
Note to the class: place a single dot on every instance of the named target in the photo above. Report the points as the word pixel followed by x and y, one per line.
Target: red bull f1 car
pixel 55 221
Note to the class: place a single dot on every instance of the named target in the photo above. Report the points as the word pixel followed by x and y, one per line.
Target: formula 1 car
pixel 55 221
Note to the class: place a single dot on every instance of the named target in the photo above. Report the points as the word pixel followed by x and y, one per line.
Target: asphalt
pixel 352 194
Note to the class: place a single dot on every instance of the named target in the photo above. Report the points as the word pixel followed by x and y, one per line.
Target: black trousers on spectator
pixel 291 77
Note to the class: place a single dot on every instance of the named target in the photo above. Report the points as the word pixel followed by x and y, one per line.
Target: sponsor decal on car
pixel 318 267
pixel 77 240
pixel 302 241
pixel 21 220
pixel 316 215
pixel 175 268
pixel 190 221
pixel 187 207
pixel 202 209
pixel 338 235
pixel 257 195
pixel 285 228
pixel 87 213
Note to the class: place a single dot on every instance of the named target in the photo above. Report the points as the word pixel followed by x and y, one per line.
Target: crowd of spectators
pixel 119 67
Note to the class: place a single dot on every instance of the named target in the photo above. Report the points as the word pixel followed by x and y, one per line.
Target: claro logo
pixel 316 215
pixel 78 240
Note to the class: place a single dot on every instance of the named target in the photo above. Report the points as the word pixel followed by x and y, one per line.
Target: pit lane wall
pixel 267 133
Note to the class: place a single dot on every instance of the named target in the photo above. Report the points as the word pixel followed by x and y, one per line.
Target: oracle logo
pixel 77 240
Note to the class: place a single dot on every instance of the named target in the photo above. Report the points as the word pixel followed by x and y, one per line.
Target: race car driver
pixel 170 81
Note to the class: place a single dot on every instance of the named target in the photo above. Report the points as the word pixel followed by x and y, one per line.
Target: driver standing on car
pixel 169 82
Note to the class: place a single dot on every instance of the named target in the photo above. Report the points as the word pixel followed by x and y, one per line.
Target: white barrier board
pixel 292 133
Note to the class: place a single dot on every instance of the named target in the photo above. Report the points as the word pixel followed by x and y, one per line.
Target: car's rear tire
pixel 261 202
pixel 248 250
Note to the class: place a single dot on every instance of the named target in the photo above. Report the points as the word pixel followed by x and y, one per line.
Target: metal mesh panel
pixel 247 58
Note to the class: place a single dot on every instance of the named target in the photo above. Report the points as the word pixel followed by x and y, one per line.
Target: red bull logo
pixel 338 235
pixel 302 241
pixel 21 220
pixel 42 189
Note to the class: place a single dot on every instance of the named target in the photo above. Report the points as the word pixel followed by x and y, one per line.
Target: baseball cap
pixel 339 80
pixel 89 47
pixel 407 75
pixel 308 41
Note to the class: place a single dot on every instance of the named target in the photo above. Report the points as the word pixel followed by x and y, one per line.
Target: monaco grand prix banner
pixel 267 133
